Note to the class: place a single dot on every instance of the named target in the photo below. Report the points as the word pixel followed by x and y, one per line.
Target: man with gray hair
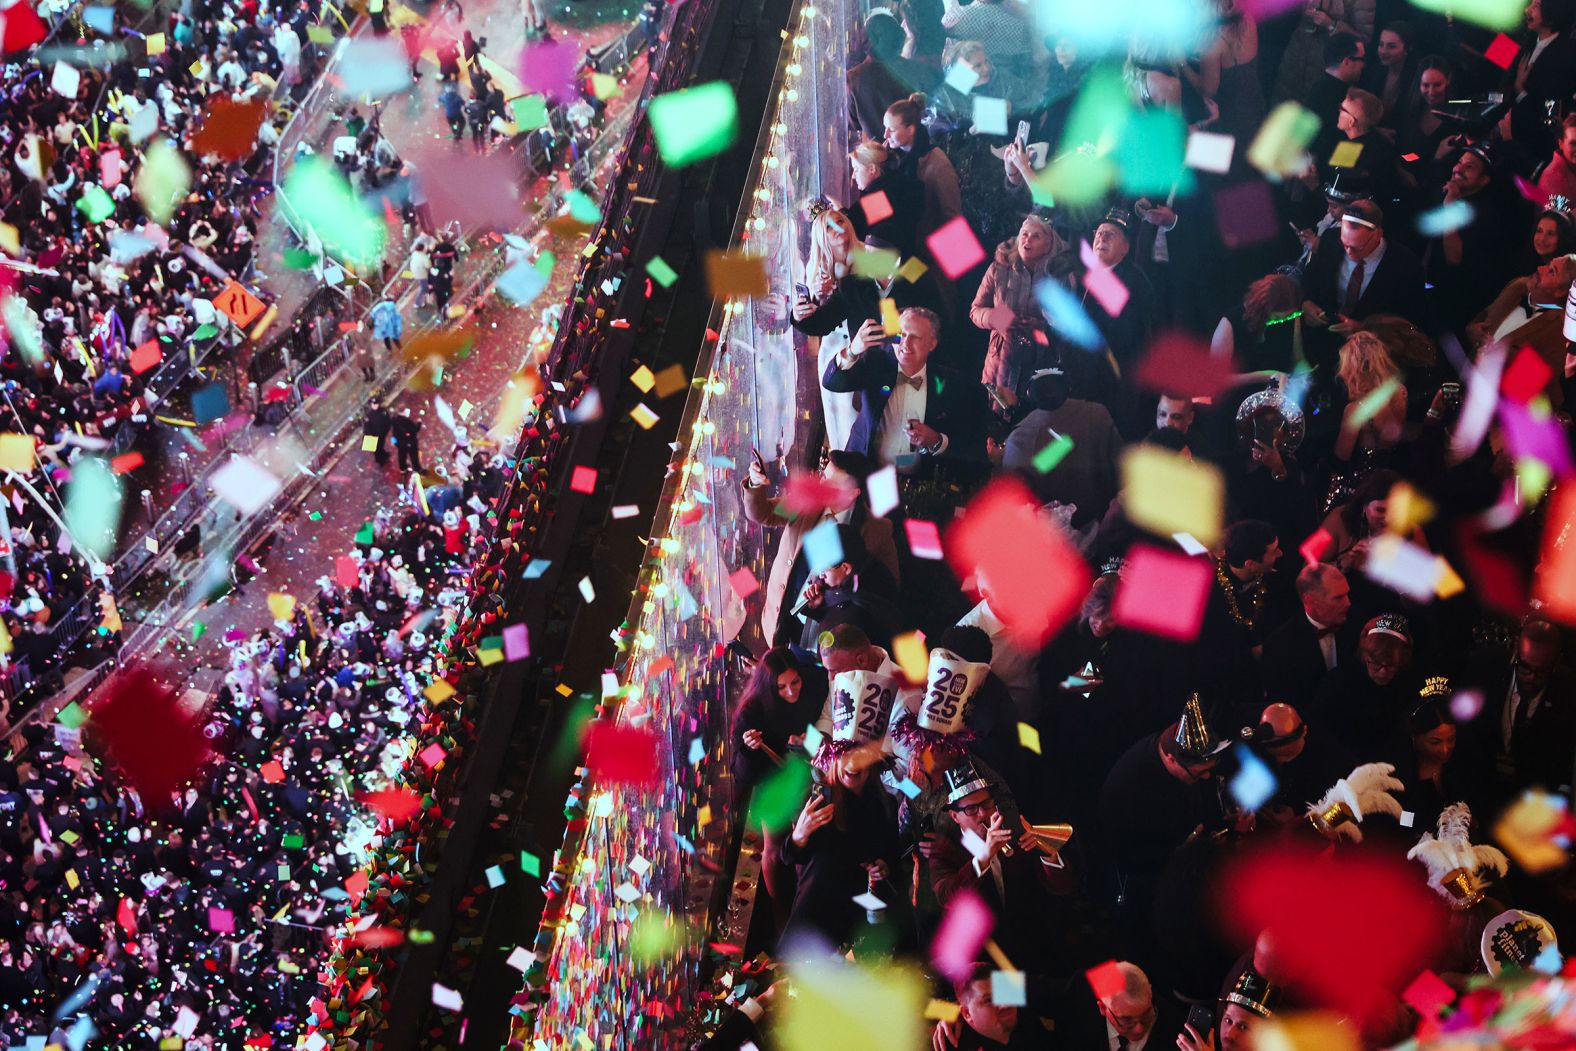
pixel 909 411
pixel 1299 653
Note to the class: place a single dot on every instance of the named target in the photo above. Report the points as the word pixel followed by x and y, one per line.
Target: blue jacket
pixel 386 322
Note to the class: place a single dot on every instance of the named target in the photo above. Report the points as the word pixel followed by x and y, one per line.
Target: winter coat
pixel 1010 283
pixel 386 322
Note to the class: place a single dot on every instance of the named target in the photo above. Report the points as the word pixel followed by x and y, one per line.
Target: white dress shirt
pixel 905 404
pixel 1111 1037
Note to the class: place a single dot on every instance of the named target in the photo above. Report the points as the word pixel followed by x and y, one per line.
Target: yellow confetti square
pixel 281 605
pixel 1449 584
pixel 889 318
pixel 912 270
pixel 703 817
pixel 72 880
pixel 910 653
pixel 1166 494
pixel 16 453
pixel 670 380
pixel 10 240
pixel 1029 737
pixel 196 68
pixel 564 690
pixel 438 691
pixel 369 443
pixel 155 43
pixel 1345 154
pixel 643 378
pixel 489 655
pixel 942 1011
pixel 643 415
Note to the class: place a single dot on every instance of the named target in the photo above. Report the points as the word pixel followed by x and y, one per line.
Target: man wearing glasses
pixel 1526 733
pixel 1344 57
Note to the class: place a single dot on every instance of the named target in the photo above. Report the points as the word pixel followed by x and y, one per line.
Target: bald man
pixel 1305 762
pixel 1299 654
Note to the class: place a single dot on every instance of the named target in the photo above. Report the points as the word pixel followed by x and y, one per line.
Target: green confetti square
pixel 661 272
pixel 695 123
pixel 71 716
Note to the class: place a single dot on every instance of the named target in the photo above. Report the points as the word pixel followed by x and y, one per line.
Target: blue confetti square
pixel 1253 784
pixel 823 547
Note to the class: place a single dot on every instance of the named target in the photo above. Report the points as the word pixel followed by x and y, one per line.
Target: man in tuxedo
pixel 1357 272
pixel 1526 732
pixel 906 407
pixel 1128 1019
pixel 1299 653
pixel 1530 312
pixel 1029 893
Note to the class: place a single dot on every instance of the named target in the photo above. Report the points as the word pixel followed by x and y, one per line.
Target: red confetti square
pixel 1313 548
pixel 146 356
pixel 154 742
pixel 622 755
pixel 126 463
pixel 876 207
pixel 1179 364
pixel 396 804
pixel 1106 980
pixel 810 494
pixel 22 28
pixel 1502 52
pixel 346 571
pixel 356 885
pixel 744 582
pixel 956 248
pixel 1388 925
pixel 1037 579
pixel 583 480
pixel 1526 376
pixel 924 539
pixel 1163 593
pixel 1428 993
pixel 229 128
pixel 272 772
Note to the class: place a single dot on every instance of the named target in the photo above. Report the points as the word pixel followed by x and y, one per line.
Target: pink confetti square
pixel 962 932
pixel 432 755
pixel 1428 993
pixel 221 921
pixel 1163 593
pixel 1105 286
pixel 924 539
pixel 1245 214
pixel 876 207
pixel 956 248
pixel 583 480
pixel 744 582
pixel 1313 548
pixel 1502 52
pixel 516 642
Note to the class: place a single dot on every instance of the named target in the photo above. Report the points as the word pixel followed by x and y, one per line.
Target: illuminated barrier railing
pixel 620 950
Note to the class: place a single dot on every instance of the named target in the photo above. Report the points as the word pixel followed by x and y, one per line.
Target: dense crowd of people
pixel 204 915
pixel 1366 352
pixel 115 261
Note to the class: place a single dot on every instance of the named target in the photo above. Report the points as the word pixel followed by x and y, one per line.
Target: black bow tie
pixel 914 382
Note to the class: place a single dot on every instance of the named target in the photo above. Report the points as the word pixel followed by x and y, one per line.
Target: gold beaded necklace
pixel 1231 597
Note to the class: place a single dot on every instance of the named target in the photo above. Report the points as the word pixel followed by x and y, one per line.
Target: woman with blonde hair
pixel 1368 430
pixel 832 245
